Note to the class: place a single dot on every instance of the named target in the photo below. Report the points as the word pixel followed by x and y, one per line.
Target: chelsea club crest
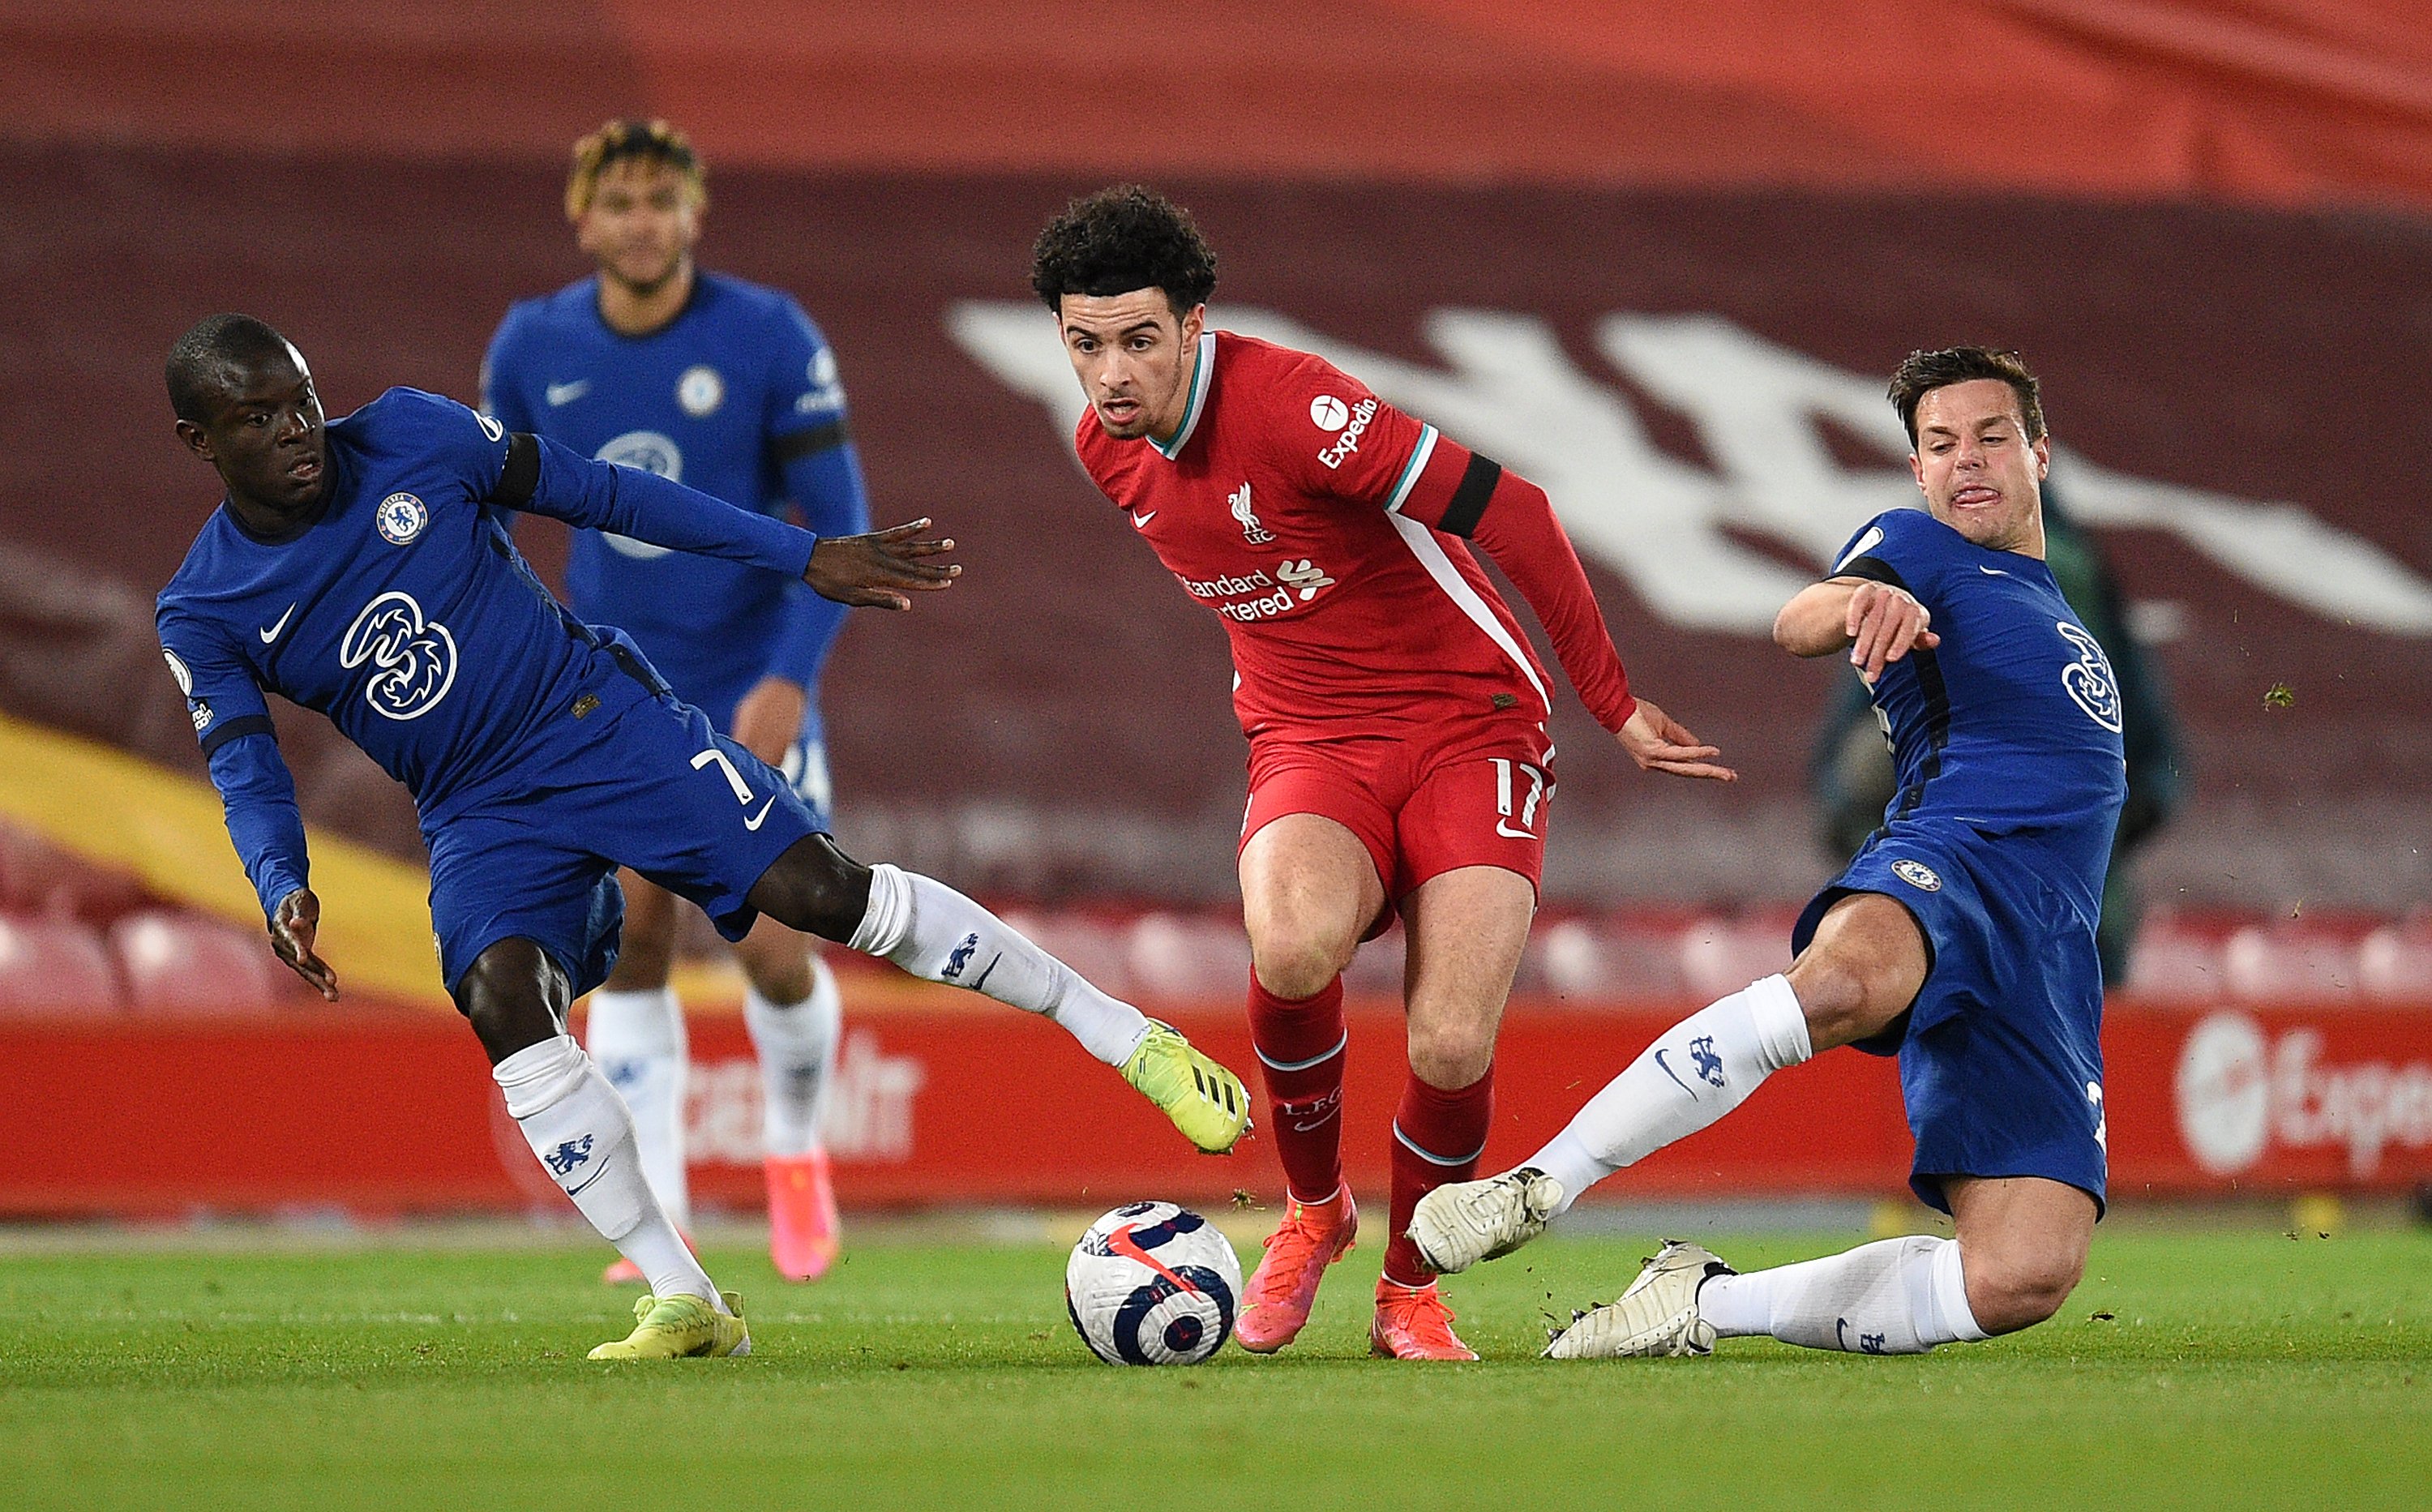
pixel 1917 874
pixel 400 518
pixel 701 391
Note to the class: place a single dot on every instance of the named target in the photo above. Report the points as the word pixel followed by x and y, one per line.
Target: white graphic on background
pixel 1508 389
pixel 867 1117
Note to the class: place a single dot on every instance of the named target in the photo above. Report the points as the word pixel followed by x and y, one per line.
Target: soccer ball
pixel 1152 1283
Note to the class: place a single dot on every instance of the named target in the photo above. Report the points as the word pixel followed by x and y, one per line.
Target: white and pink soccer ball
pixel 1153 1284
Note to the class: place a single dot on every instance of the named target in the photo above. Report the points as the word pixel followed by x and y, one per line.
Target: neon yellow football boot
pixel 1205 1102
pixel 675 1328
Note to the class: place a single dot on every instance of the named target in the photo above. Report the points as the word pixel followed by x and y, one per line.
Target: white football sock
pixel 638 1039
pixel 1893 1296
pixel 936 933
pixel 797 1042
pixel 1695 1070
pixel 580 1128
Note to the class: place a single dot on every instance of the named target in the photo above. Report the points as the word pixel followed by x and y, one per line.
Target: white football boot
pixel 1657 1318
pixel 1461 1223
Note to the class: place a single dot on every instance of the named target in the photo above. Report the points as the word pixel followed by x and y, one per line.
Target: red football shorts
pixel 1420 810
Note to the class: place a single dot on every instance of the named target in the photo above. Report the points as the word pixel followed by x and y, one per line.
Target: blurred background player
pixel 728 386
pixel 1961 937
pixel 1851 767
pixel 1396 716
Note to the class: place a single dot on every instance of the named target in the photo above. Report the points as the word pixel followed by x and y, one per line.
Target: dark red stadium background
pixel 2206 224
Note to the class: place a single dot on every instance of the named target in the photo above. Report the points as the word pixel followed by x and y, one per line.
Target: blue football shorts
pixel 655 786
pixel 2001 1055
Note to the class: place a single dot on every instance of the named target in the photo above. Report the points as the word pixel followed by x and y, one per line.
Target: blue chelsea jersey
pixel 403 613
pixel 738 396
pixel 2012 726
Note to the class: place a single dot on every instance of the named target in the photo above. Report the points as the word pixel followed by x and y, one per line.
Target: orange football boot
pixel 1413 1323
pixel 1275 1303
pixel 802 1229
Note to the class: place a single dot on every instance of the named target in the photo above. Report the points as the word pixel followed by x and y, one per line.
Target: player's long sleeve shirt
pixel 738 396
pixel 1331 533
pixel 404 614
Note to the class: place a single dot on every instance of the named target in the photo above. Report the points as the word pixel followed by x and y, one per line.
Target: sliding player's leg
pixel 2020 1249
pixel 1468 929
pixel 1865 966
pixel 634 1027
pixel 1310 891
pixel 795 1015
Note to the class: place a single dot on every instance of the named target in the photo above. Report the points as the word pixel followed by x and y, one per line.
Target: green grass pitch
pixel 2197 1370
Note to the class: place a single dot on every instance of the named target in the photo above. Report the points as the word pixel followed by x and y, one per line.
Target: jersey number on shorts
pixel 734 780
pixel 1527 828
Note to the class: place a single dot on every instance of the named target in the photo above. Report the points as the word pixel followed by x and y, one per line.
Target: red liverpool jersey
pixel 1327 529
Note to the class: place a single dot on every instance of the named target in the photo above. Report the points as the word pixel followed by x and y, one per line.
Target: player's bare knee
pixel 1450 1057
pixel 515 996
pixel 2008 1292
pixel 777 965
pixel 1838 995
pixel 1294 964
pixel 815 888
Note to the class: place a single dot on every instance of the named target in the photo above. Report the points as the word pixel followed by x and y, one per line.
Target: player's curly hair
pixel 652 141
pixel 1119 239
pixel 1925 371
pixel 205 360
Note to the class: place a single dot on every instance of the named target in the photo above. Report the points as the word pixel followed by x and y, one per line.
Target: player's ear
pixel 1195 320
pixel 1917 471
pixel 197 441
pixel 2043 456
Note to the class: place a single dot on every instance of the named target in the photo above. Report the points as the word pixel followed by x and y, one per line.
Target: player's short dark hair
pixel 1119 239
pixel 203 360
pixel 653 140
pixel 1925 371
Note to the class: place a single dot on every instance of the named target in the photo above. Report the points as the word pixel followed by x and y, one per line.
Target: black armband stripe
pixel 825 436
pixel 237 729
pixel 1874 568
pixel 1470 496
pixel 520 478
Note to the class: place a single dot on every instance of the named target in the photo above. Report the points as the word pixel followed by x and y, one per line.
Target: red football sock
pixel 1438 1137
pixel 1300 1052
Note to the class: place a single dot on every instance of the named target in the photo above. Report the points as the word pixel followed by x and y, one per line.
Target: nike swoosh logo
pixel 755 821
pixel 566 393
pixel 574 1191
pixel 1508 833
pixel 1864 544
pixel 1141 521
pixel 1665 1067
pixel 1992 571
pixel 272 634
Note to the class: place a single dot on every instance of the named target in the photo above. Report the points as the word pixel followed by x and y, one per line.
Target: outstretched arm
pixel 879 568
pixel 1877 621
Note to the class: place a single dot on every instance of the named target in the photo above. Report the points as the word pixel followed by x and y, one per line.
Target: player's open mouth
pixel 1975 497
pixel 1118 409
pixel 305 469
